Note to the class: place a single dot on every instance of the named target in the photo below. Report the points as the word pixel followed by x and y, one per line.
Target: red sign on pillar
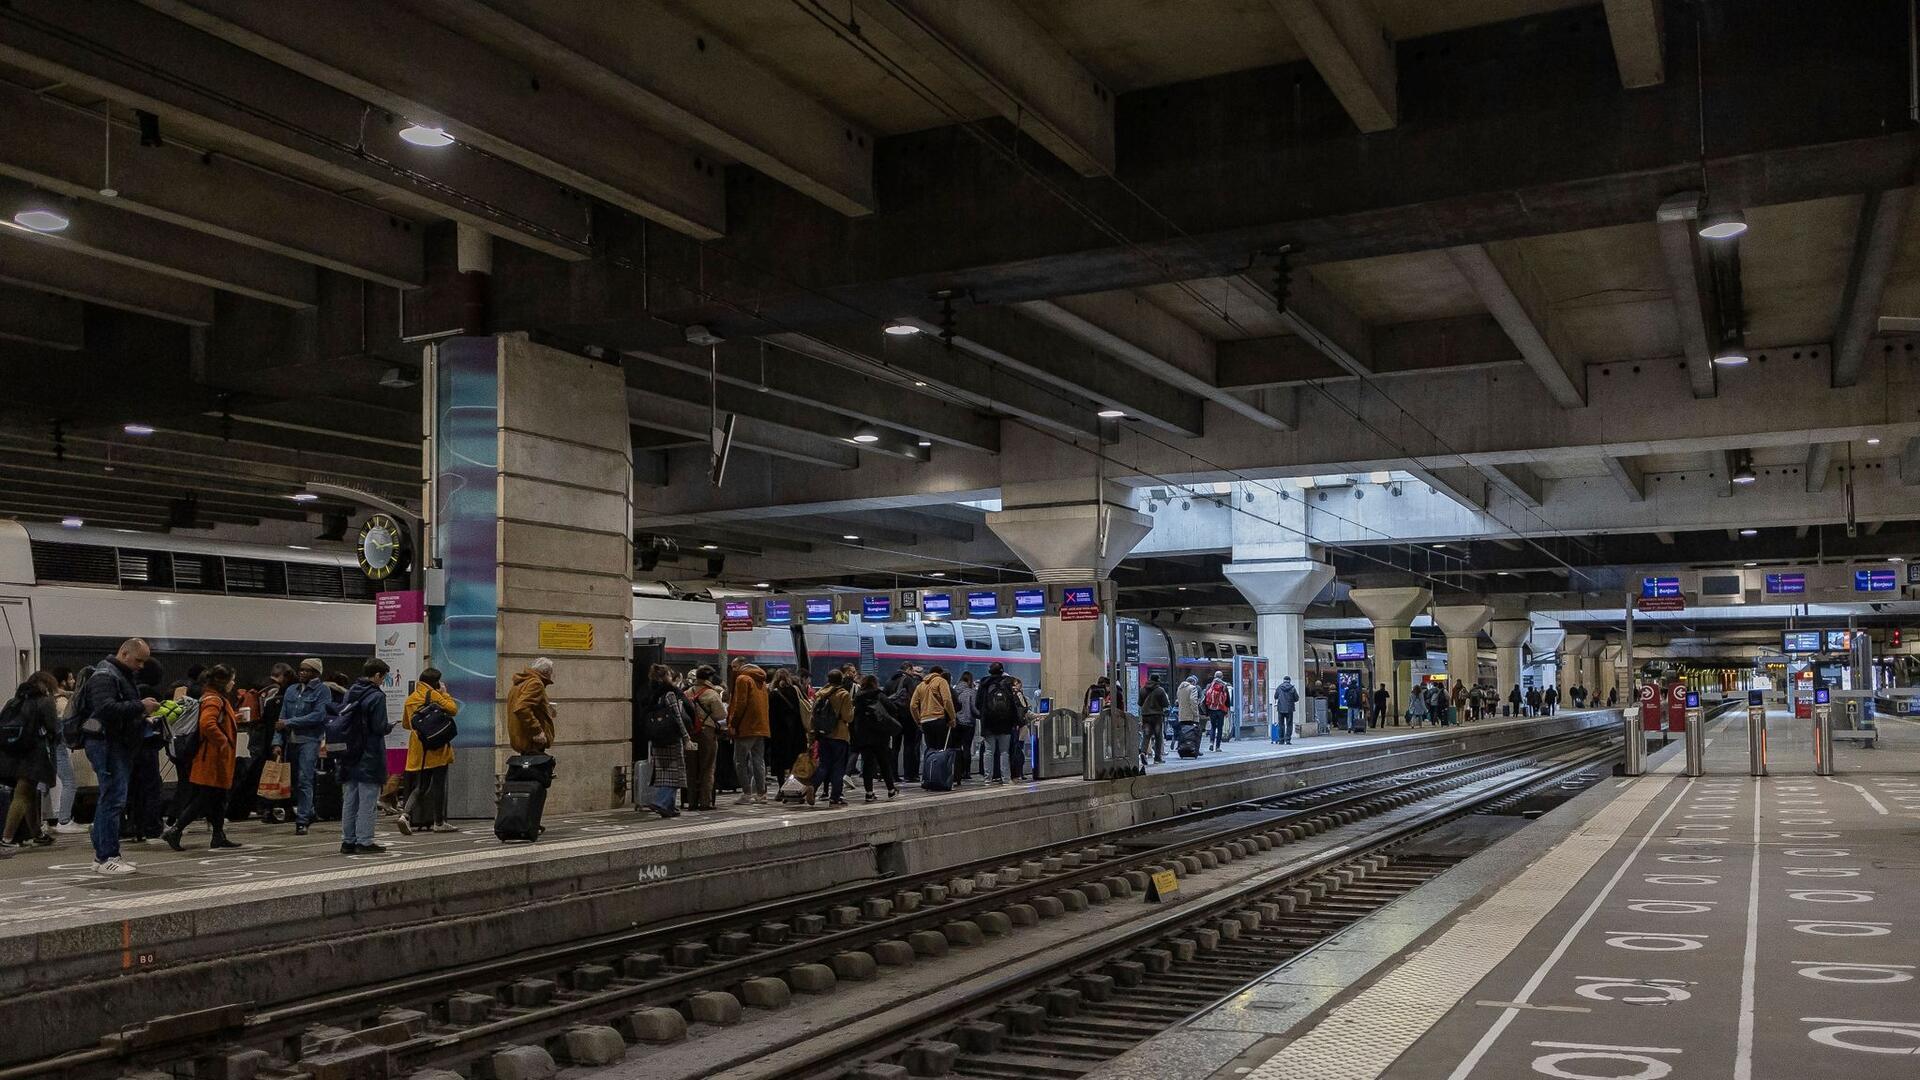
pixel 1676 706
pixel 1650 706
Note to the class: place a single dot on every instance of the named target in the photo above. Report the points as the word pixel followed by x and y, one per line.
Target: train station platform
pixel 184 922
pixel 1724 926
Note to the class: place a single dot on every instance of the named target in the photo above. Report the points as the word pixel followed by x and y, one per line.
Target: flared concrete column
pixel 1280 590
pixel 1509 638
pixel 1069 541
pixel 1462 624
pixel 1590 666
pixel 1391 612
pixel 1573 648
pixel 1609 669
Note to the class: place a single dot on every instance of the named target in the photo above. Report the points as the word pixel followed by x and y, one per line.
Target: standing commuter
pixel 302 723
pixel 1613 697
pixel 933 711
pixel 1215 702
pixel 363 766
pixel 1515 700
pixel 1187 703
pixel 872 726
pixel 965 726
pixel 530 711
pixel 1332 715
pixel 705 714
pixel 208 775
pixel 67 790
pixel 110 714
pixel 258 726
pixel 29 729
pixel 750 725
pixel 426 804
pixel 997 705
pixel 1286 697
pixel 668 758
pixel 832 729
pixel 906 745
pixel 1550 700
pixel 1381 702
pixel 787 728
pixel 1533 701
pixel 1153 720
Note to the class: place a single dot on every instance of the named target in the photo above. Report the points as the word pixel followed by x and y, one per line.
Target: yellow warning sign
pixel 566 636
pixel 1162 884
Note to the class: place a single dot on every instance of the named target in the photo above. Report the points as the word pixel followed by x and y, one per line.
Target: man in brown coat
pixel 529 713
pixel 748 725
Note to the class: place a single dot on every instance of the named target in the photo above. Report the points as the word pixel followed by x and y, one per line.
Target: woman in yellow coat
pixel 427 804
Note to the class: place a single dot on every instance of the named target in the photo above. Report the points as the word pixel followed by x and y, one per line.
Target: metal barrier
pixel 1636 763
pixel 1059 739
pixel 1113 746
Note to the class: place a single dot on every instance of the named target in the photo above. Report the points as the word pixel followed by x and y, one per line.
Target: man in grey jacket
pixel 1285 698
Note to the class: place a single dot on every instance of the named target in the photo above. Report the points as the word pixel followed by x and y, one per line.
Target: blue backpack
pixel 346 732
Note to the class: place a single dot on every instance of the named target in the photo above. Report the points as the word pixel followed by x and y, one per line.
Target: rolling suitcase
pixel 1188 742
pixel 521 804
pixel 534 767
pixel 936 773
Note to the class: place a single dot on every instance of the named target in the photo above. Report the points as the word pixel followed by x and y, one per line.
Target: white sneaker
pixel 405 826
pixel 113 866
pixel 744 800
pixel 8 849
pixel 760 800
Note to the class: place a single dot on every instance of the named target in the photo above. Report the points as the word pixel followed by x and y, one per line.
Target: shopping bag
pixel 276 780
pixel 803 767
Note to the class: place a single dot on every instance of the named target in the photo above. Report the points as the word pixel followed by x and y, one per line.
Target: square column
pixel 1509 639
pixel 1573 649
pixel 1280 590
pixel 1391 611
pixel 1462 624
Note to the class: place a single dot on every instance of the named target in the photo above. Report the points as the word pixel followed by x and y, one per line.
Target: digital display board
pixel 1656 587
pixel 1780 584
pixel 779 612
pixel 1839 640
pixel 936 605
pixel 1349 650
pixel 1875 581
pixel 876 608
pixel 1693 699
pixel 1029 601
pixel 1078 596
pixel 983 605
pixel 737 615
pixel 1822 696
pixel 1800 641
pixel 820 609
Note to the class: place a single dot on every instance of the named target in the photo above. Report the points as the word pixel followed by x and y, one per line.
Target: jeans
pixel 1000 754
pixel 750 764
pixel 63 769
pixel 1215 722
pixel 306 762
pixel 1153 732
pixel 832 773
pixel 427 802
pixel 359 802
pixel 662 799
pixel 114 768
pixel 1286 727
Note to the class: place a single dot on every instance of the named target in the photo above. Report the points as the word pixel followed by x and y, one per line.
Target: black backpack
pixel 663 721
pixel 434 725
pixel 997 703
pixel 15 737
pixel 825 716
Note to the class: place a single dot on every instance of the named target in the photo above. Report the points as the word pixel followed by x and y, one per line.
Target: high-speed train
pixel 69 596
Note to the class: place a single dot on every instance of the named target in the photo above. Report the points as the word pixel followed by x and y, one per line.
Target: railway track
pixel 589 1000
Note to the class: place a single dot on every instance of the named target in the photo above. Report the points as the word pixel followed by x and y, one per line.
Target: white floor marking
pixel 1743 1048
pixel 1878 806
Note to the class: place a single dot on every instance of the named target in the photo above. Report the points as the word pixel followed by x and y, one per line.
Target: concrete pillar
pixel 1391 612
pixel 1462 624
pixel 1280 590
pixel 1590 667
pixel 530 521
pixel 1573 648
pixel 1062 538
pixel 1545 642
pixel 473 258
pixel 1610 680
pixel 1509 638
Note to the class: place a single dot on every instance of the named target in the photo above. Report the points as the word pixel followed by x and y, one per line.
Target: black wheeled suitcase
pixel 1188 743
pixel 521 804
pixel 535 767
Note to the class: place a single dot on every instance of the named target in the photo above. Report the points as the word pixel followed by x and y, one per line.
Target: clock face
pixel 383 547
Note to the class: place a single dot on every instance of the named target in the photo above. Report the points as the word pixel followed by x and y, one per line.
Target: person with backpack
pixel 996 705
pixel 750 726
pixel 705 715
pixel 207 772
pixel 831 725
pixel 29 730
pixel 933 711
pixel 109 721
pixel 304 708
pixel 906 745
pixel 1286 698
pixel 663 731
pixel 428 717
pixel 361 728
pixel 1153 720
pixel 873 728
pixel 1215 703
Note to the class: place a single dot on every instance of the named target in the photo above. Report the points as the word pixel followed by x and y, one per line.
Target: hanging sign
pixel 735 615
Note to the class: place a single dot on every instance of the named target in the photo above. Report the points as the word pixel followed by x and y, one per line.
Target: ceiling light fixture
pixel 1895 558
pixel 1723 226
pixel 936 573
pixel 138 429
pixel 709 547
pixel 298 547
pixel 1753 564
pixel 71 523
pixel 1732 352
pixel 1873 440
pixel 866 437
pixel 1749 532
pixel 432 138
pixel 1111 414
pixel 763 584
pixel 901 329
pixel 919 382
pixel 1502 573
pixel 926 442
pixel 848 536
pixel 304 496
pixel 1744 474
pixel 42 220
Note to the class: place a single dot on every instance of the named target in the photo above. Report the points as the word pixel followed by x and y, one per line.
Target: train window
pixel 1033 639
pixel 1239 649
pixel 976 636
pixel 902 634
pixel 1009 638
pixel 940 635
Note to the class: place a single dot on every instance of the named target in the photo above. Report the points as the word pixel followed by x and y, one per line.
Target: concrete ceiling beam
pixel 427 74
pixel 1688 277
pixel 91 509
pixel 676 76
pixel 1639 32
pixel 1520 483
pixel 120 51
pixel 1350 49
pixel 658 413
pixel 1466 486
pixel 1003 337
pixel 67 272
pixel 33 318
pixel 1517 300
pixel 923 358
pixel 57 147
pixel 126 239
pixel 1819 466
pixel 1328 325
pixel 697 392
pixel 1628 474
pixel 1010 62
pixel 866 529
pixel 1883 221
pixel 783 372
pixel 1910 462
pixel 112 487
pixel 1466 343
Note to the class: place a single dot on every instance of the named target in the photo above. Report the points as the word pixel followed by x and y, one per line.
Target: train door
pixel 16 640
pixel 646 653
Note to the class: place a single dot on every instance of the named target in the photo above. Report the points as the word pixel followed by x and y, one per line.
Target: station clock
pixel 383 547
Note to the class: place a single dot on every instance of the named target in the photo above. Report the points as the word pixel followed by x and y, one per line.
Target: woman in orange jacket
pixel 427 803
pixel 212 773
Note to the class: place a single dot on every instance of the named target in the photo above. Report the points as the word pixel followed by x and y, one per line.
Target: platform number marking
pixel 1643 942
pixel 1566 1057
pixel 1826 928
pixel 656 872
pixel 1637 991
pixel 1855 973
pixel 1865 1036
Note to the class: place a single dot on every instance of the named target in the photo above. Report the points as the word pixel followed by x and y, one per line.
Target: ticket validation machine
pixel 1822 731
pixel 1757 732
pixel 1696 735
